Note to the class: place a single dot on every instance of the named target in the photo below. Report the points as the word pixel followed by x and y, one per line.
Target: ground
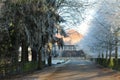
pixel 74 69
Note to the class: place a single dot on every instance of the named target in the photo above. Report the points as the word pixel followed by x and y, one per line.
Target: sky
pixel 94 10
pixel 89 14
pixel 87 26
pixel 102 13
pixel 84 25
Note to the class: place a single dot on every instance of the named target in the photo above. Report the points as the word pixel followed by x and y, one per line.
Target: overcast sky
pixel 93 13
pixel 85 17
pixel 90 13
pixel 101 13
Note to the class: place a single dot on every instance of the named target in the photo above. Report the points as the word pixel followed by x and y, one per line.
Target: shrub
pixel 111 63
pixel 29 66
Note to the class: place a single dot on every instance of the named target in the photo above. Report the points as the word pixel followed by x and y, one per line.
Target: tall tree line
pixel 28 23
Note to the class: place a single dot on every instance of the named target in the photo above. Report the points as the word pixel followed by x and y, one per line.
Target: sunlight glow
pixel 85 25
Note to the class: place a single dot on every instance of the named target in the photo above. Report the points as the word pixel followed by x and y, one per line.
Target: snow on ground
pixel 58 61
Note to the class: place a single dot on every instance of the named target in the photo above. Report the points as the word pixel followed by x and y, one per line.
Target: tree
pixel 30 23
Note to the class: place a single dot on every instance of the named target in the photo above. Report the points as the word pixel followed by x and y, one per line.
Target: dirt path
pixel 74 70
pixel 83 70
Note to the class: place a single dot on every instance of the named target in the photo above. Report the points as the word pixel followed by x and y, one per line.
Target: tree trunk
pixel 110 52
pixel 24 57
pixel 116 54
pixel 40 66
pixel 116 50
pixel 34 54
pixel 49 59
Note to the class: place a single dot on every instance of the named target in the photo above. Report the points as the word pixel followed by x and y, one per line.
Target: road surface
pixel 73 70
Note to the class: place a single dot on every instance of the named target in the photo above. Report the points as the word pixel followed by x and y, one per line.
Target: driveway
pixel 75 69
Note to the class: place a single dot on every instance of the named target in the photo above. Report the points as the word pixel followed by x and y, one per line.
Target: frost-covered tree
pixel 103 35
